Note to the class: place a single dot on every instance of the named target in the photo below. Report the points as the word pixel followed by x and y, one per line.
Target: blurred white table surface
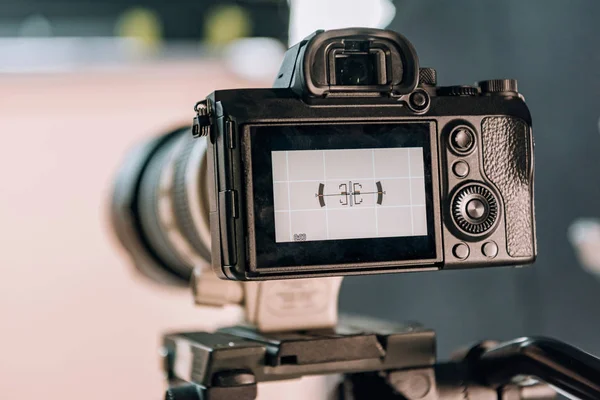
pixel 76 322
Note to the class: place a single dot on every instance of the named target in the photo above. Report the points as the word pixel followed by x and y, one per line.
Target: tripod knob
pixel 184 392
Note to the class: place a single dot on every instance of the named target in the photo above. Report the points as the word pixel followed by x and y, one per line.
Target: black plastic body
pixel 500 160
pixel 231 194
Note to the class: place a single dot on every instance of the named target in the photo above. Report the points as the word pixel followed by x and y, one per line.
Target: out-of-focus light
pixel 143 25
pixel 254 58
pixel 34 55
pixel 584 235
pixel 35 26
pixel 224 24
pixel 309 15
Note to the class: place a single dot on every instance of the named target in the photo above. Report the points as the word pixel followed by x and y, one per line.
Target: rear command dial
pixel 474 210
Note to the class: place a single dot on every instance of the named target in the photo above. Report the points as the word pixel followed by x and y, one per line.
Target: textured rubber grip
pixel 508 164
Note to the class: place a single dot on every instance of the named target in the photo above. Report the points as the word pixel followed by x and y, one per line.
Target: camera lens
pixel 160 207
pixel 355 69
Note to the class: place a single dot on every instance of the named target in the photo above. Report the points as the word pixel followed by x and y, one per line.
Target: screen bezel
pixel 266 255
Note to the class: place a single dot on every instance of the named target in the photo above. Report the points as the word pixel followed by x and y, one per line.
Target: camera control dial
pixel 427 76
pixel 474 209
pixel 498 86
pixel 462 90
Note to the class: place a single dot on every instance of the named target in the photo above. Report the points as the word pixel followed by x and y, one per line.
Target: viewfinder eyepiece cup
pixel 355 60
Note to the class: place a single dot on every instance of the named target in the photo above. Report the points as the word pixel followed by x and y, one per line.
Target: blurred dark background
pixel 81 82
pixel 553 48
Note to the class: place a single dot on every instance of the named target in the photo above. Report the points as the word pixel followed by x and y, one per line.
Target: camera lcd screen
pixel 340 193
pixel 348 194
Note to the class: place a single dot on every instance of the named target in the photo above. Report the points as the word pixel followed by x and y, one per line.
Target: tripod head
pixel 399 360
pixel 274 306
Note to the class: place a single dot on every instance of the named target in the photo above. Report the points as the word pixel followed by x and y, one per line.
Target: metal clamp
pixel 202 121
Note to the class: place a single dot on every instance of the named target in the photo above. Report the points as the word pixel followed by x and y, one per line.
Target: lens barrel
pixel 160 207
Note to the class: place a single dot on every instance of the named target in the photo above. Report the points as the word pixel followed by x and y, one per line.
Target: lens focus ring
pixel 149 199
pixel 181 193
pixel 168 213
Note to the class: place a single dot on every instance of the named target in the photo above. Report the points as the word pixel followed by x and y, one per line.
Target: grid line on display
pixel 412 220
pixel 350 209
pixel 287 174
pixel 376 213
pixel 326 208
pixel 352 179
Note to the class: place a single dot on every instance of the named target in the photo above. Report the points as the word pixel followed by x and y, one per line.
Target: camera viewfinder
pixel 357 63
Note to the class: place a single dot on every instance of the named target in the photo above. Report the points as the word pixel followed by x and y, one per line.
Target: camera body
pixel 356 162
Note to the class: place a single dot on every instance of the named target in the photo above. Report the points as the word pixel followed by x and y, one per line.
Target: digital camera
pixel 354 162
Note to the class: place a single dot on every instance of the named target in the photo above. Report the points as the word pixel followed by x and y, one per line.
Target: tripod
pixel 378 360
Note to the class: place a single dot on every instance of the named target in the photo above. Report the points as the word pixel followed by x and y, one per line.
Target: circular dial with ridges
pixel 463 90
pixel 475 209
pixel 498 85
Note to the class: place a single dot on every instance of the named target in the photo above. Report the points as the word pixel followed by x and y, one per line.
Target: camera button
pixel 462 139
pixel 490 249
pixel 419 101
pixel 460 169
pixel 476 209
pixel 461 251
